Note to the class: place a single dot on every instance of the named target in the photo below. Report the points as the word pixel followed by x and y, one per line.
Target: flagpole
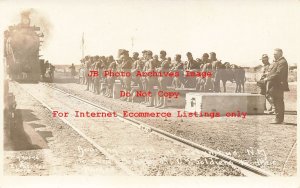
pixel 82 45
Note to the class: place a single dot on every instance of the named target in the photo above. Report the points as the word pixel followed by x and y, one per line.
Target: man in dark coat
pixel 277 83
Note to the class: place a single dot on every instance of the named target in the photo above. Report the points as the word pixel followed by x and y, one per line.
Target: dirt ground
pixel 253 139
pixel 38 146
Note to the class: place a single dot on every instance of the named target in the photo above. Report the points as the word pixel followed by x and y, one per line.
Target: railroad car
pixel 21 51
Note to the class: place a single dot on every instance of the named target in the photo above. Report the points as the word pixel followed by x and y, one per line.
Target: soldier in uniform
pixel 52 69
pixel 177 66
pixel 138 65
pixel 216 72
pixel 86 72
pixel 73 71
pixel 126 65
pixel 207 67
pixel 112 66
pixel 99 65
pixel 163 81
pixel 81 72
pixel 144 80
pixel 276 83
pixel 150 80
pixel 93 67
pixel 201 83
pixel 261 82
pixel 88 67
pixel 191 65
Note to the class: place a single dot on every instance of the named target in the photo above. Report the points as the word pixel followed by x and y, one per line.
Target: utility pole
pixel 82 45
pixel 132 43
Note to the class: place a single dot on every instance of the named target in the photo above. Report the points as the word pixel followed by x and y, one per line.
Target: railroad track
pixel 245 166
pixel 91 141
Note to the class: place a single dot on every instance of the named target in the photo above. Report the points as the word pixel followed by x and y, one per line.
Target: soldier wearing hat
pixel 177 66
pixel 126 65
pixel 96 78
pixel 216 72
pixel 163 81
pixel 112 66
pixel 191 65
pixel 207 67
pixel 204 84
pixel 141 65
pixel 156 64
pixel 138 65
pixel 262 85
pixel 149 81
pixel 99 66
pixel 88 67
pixel 81 72
pixel 276 83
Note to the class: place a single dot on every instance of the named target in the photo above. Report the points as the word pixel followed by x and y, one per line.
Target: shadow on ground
pixel 19 135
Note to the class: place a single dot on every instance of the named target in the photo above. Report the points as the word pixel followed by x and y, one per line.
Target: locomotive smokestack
pixel 37 18
pixel 25 19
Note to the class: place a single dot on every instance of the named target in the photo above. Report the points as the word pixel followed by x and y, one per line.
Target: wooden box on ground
pixel 180 101
pixel 225 102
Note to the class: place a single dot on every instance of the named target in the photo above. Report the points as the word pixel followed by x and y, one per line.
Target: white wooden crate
pixel 225 102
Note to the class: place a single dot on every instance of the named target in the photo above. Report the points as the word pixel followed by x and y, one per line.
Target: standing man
pixel 261 82
pixel 144 81
pixel 112 66
pixel 216 72
pixel 73 71
pixel 177 66
pixel 276 84
pixel 150 66
pixel 88 65
pixel 126 66
pixel 163 80
pixel 207 67
pixel 192 66
pixel 150 80
pixel 138 65
pixel 52 69
pixel 98 67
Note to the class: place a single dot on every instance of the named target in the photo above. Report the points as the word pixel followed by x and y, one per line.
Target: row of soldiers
pixel 147 63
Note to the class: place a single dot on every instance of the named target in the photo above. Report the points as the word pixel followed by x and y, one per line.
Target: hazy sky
pixel 238 31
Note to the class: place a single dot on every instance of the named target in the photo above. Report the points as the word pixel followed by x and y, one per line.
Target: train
pixel 22 44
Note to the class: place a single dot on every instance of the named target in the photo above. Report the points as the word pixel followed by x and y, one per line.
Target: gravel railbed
pixel 252 139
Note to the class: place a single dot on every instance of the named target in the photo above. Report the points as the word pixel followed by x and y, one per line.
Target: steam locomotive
pixel 21 51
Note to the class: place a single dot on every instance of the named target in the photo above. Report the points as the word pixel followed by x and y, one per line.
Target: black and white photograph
pixel 150 89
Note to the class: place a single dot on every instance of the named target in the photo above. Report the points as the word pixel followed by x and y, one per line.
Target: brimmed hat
pixel 124 52
pixel 264 56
